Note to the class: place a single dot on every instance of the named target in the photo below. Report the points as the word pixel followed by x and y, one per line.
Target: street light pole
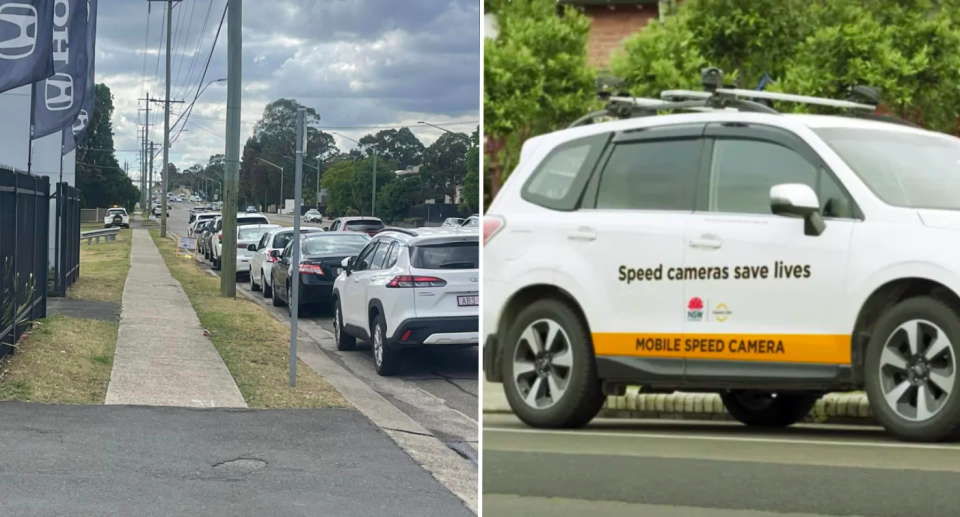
pixel 295 281
pixel 281 181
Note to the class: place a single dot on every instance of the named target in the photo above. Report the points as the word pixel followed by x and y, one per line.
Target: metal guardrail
pixel 110 234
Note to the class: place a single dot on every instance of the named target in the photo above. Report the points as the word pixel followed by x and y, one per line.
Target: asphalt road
pixel 661 469
pixel 146 461
pixel 437 388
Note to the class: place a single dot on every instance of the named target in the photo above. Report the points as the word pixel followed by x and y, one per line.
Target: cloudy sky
pixel 359 63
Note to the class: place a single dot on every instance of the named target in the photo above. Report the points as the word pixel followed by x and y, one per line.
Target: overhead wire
pixel 193 61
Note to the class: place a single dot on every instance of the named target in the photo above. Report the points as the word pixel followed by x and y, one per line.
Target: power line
pixel 196 52
pixel 163 24
pixel 194 124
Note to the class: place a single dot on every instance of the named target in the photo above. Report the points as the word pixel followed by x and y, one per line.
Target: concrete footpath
pixel 162 357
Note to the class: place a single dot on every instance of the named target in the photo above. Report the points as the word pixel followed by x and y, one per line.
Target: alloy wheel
pixel 543 364
pixel 377 344
pixel 917 369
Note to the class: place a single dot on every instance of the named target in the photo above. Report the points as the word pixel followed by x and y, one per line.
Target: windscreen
pixel 114 211
pixel 363 225
pixel 342 244
pixel 905 169
pixel 451 255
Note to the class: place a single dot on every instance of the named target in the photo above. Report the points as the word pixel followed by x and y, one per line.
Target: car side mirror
pixel 275 253
pixel 798 200
pixel 326 228
pixel 252 247
pixel 345 263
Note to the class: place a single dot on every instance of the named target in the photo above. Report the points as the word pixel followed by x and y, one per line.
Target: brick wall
pixel 610 25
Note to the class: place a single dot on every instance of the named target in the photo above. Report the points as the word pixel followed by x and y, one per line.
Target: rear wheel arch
pixel 885 298
pixel 375 308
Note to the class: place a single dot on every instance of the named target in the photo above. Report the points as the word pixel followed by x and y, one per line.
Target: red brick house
pixel 613 21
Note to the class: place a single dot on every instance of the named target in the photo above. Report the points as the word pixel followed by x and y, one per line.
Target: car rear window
pixel 450 255
pixel 561 177
pixel 332 243
pixel 362 225
pixel 251 234
pixel 252 220
pixel 115 211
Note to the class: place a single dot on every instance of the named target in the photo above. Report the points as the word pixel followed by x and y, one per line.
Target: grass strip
pixel 252 343
pixel 103 269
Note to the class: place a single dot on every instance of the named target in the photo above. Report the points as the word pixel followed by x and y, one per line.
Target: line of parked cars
pixel 394 288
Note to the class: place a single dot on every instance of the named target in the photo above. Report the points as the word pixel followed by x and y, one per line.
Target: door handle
pixel 706 242
pixel 582 234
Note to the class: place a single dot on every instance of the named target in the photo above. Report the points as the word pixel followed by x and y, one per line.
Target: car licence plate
pixel 468 301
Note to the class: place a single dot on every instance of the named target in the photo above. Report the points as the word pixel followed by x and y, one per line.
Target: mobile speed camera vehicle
pixel 729 248
pixel 116 217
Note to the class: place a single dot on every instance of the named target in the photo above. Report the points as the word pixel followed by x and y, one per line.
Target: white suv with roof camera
pixel 409 288
pixel 770 258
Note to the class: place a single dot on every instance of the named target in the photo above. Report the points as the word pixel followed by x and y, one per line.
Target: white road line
pixel 782 441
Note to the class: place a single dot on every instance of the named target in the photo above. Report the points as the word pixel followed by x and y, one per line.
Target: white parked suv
pixel 409 288
pixel 243 219
pixel 769 258
pixel 267 253
pixel 116 217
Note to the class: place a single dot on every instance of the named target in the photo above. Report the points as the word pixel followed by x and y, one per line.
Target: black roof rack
pixel 719 97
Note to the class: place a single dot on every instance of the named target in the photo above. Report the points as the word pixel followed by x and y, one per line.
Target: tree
pixel 395 144
pixel 445 166
pixel 99 177
pixel 349 185
pixel 471 180
pixel 396 197
pixel 536 78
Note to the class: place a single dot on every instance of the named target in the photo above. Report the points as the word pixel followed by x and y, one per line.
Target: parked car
pixel 368 225
pixel 208 235
pixel 209 207
pixel 197 233
pixel 116 217
pixel 313 216
pixel 252 209
pixel 157 207
pixel 199 217
pixel 451 222
pixel 410 288
pixel 243 219
pixel 471 222
pixel 267 253
pixel 248 236
pixel 321 258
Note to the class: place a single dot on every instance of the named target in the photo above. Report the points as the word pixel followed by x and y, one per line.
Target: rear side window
pixel 651 175
pixel 559 179
pixel 363 225
pixel 281 240
pixel 451 255
pixel 380 255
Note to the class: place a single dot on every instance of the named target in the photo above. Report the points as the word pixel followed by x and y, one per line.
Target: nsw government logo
pixel 695 309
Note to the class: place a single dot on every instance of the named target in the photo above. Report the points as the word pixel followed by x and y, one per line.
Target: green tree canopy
pixel 395 144
pixel 99 177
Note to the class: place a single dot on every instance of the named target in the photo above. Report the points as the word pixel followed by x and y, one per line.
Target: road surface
pixel 689 469
pixel 437 388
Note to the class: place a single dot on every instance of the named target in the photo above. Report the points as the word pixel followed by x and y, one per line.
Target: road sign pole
pixel 231 175
pixel 318 184
pixel 295 281
pixel 373 207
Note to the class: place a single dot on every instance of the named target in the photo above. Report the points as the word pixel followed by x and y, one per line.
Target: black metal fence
pixel 24 240
pixel 67 260
pixel 434 212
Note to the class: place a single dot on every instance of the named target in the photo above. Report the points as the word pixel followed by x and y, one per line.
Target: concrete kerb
pixel 833 408
pixel 427 450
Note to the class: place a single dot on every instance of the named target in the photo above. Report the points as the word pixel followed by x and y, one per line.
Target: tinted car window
pixel 380 255
pixel 362 225
pixel 363 260
pixel 743 171
pixel 659 175
pixel 392 256
pixel 252 220
pixel 559 179
pixel 281 240
pixel 452 255
pixel 334 244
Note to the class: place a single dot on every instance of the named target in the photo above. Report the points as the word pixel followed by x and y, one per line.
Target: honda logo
pixel 21 18
pixel 81 123
pixel 59 92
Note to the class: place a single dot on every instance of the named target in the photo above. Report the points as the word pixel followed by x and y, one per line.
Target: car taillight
pixel 492 225
pixel 416 281
pixel 311 269
pixel 220 237
pixel 241 246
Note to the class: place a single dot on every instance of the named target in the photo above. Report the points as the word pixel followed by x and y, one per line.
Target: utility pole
pixel 146 136
pixel 231 176
pixel 318 182
pixel 294 301
pixel 373 207
pixel 150 186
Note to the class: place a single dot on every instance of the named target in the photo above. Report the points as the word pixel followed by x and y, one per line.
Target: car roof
pixel 268 226
pixel 360 217
pixel 307 229
pixel 415 236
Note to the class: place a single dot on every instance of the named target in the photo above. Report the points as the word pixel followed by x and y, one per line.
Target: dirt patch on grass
pixel 103 270
pixel 252 343
pixel 63 360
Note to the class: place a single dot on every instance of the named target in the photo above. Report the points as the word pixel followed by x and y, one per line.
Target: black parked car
pixel 320 258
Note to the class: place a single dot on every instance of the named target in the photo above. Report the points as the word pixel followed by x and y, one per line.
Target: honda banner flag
pixel 26 42
pixel 75 134
pixel 56 100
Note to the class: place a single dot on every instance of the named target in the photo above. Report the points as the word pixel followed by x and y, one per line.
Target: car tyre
pixel 253 282
pixel 345 342
pixel 267 290
pixel 762 409
pixel 216 263
pixel 386 360
pixel 286 292
pixel 277 302
pixel 938 329
pixel 581 396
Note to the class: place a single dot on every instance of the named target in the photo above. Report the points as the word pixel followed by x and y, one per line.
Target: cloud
pixel 357 62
